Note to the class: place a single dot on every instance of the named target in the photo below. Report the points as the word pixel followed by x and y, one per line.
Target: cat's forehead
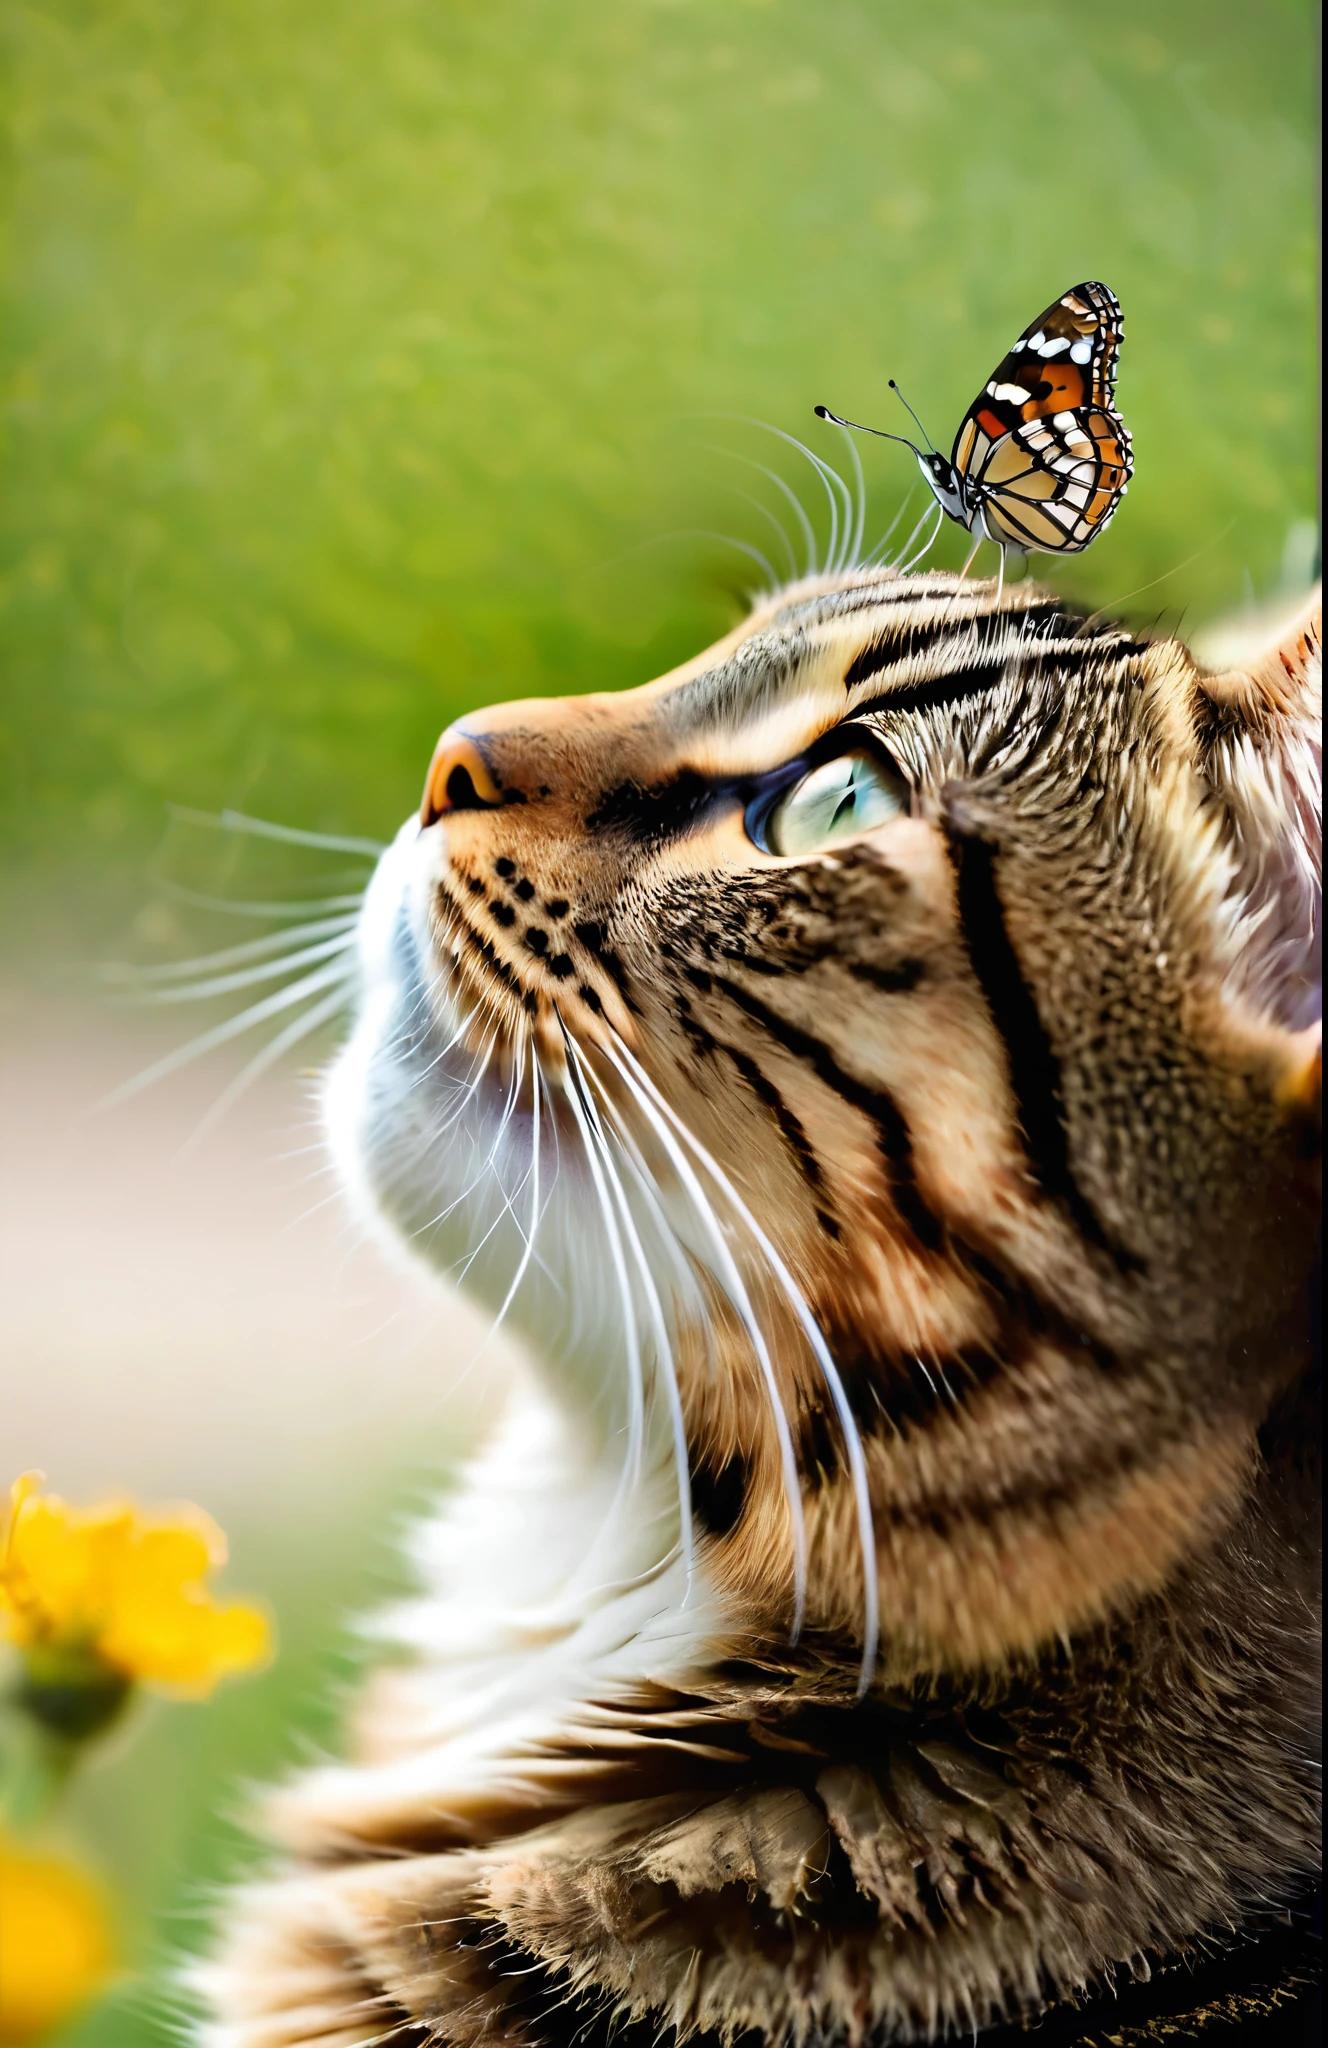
pixel 876 639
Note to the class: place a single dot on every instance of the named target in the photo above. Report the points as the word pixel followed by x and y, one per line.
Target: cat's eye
pixel 851 794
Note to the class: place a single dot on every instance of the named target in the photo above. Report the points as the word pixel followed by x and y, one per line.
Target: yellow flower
pixel 55 1946
pixel 115 1590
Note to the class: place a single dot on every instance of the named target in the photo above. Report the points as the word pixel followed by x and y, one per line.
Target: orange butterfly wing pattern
pixel 1043 457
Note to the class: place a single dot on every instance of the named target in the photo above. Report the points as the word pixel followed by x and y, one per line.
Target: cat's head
pixel 871 1060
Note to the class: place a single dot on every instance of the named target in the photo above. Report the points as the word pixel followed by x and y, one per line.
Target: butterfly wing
pixel 1043 453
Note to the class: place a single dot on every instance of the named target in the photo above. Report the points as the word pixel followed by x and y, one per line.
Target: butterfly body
pixel 947 487
pixel 1042 458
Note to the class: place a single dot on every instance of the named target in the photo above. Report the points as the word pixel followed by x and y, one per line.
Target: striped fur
pixel 888 1610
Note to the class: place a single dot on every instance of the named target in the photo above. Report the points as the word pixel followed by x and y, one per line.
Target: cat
pixel 874 1067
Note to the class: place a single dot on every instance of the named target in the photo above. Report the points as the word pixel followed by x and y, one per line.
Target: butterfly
pixel 1042 458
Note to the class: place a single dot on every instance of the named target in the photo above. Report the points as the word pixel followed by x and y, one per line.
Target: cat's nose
pixel 458 780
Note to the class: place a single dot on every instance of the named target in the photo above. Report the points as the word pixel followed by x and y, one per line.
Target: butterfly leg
pixel 972 556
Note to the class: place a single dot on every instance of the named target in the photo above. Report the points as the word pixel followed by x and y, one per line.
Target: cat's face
pixel 836 1050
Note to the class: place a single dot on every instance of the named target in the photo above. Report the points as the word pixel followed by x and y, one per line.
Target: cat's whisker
pixel 840 503
pixel 682 1264
pixel 248 977
pixel 420 1017
pixel 854 553
pixel 528 1253
pixel 709 533
pixel 282 1042
pixel 829 1370
pixel 927 545
pixel 264 828
pixel 466 1093
pixel 482 1054
pixel 507 1203
pixel 824 472
pixel 229 956
pixel 843 518
pixel 877 554
pixel 928 514
pixel 338 971
pixel 837 495
pixel 786 489
pixel 273 907
pixel 505 1208
pixel 485 1172
pixel 580 1109
pixel 748 498
pixel 732 1281
pixel 744 547
pixel 663 1349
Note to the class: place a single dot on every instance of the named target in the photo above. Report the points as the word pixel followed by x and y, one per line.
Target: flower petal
pixel 124 1589
pixel 56 1949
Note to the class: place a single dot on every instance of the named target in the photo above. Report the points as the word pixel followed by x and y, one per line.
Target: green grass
pixel 362 362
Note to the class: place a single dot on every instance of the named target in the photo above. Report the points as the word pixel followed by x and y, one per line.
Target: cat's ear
pixel 1258 719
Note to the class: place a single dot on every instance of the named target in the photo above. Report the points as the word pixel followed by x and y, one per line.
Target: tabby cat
pixel 873 1067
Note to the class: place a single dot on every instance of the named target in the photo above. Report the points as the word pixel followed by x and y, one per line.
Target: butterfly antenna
pixel 823 412
pixel 913 416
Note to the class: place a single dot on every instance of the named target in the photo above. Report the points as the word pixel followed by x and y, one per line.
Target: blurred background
pixel 363 362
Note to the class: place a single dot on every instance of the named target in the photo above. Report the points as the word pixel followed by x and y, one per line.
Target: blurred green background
pixel 367 359
pixel 350 348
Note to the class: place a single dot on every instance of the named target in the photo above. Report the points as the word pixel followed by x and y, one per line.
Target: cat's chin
pixel 434 1143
